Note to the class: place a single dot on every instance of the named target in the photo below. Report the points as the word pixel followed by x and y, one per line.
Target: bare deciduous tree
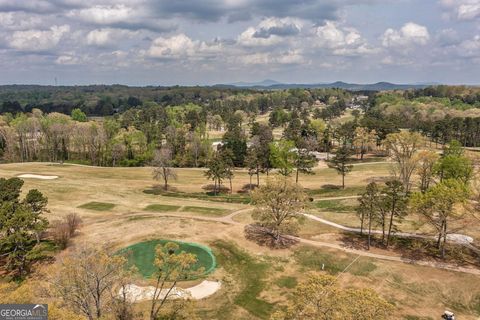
pixel 162 166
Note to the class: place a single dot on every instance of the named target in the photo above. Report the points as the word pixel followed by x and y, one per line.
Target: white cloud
pixel 67 59
pixel 265 58
pixel 409 35
pixel 104 15
pixel 342 41
pixel 470 48
pixel 270 31
pixel 181 46
pixel 463 9
pixel 38 40
pixel 108 36
pixel 19 21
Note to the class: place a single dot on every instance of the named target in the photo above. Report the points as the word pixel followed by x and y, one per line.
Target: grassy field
pixel 255 280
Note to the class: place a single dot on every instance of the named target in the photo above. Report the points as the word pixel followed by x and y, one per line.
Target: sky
pixel 205 42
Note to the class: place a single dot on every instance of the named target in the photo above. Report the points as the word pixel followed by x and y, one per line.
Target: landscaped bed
pixel 142 256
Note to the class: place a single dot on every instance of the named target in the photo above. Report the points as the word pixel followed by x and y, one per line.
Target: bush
pixel 63 230
pixel 60 233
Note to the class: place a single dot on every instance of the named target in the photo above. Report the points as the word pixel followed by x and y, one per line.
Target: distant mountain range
pixel 379 86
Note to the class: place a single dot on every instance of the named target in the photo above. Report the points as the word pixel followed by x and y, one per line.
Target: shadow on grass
pixel 209 196
pixel 416 249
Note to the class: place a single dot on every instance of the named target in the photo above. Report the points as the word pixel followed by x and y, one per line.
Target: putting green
pixel 142 256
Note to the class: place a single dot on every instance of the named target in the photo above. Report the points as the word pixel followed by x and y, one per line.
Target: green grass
pixel 250 272
pixel 229 198
pixel 97 206
pixel 331 191
pixel 161 207
pixel 140 217
pixel 205 211
pixel 313 259
pixel 335 205
pixel 142 256
pixel 286 282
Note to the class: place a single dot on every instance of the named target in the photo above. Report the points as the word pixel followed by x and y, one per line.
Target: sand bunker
pixel 37 176
pixel 204 289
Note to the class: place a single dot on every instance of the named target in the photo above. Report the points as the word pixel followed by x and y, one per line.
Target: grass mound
pixel 161 208
pixel 142 256
pixel 97 206
pixel 206 211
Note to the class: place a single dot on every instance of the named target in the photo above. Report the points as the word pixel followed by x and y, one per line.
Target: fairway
pixel 142 256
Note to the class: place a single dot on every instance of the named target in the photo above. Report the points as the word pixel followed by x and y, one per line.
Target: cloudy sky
pixel 164 42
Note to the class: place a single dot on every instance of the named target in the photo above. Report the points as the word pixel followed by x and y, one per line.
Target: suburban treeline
pixel 182 120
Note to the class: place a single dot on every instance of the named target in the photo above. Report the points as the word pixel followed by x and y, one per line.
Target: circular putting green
pixel 142 256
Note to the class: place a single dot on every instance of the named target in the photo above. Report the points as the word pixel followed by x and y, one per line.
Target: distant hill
pixel 272 85
pixel 264 83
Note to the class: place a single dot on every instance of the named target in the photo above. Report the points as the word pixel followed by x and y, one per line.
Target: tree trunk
pixel 165 179
pixel 343 180
pixel 391 223
pixel 296 176
pixel 444 239
pixel 369 230
pixel 362 217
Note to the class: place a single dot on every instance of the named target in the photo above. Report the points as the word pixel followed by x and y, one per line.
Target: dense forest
pixel 126 126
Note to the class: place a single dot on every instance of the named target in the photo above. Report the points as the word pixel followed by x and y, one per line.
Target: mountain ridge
pixel 378 86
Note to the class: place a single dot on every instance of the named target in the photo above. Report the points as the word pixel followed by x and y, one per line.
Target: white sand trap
pixel 459 238
pixel 203 290
pixel 37 176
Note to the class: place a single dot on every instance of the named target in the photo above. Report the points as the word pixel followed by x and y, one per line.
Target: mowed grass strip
pixel 205 211
pixel 251 274
pixel 97 206
pixel 156 207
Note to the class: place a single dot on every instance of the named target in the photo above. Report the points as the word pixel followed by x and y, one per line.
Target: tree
pixel 162 166
pixel 235 140
pixel 368 208
pixel 339 162
pixel 21 223
pixel 320 298
pixel 37 203
pixel 171 266
pixel 217 170
pixel 79 115
pixel 283 156
pixel 425 168
pixel 438 207
pixel 403 147
pixel 90 280
pixel 277 211
pixel 395 203
pixel 305 161
pixel 454 164
pixel 364 140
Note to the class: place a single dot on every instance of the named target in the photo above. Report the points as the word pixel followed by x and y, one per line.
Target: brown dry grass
pixel 415 290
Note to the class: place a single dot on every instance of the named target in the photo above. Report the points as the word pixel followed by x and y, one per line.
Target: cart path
pixel 228 219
